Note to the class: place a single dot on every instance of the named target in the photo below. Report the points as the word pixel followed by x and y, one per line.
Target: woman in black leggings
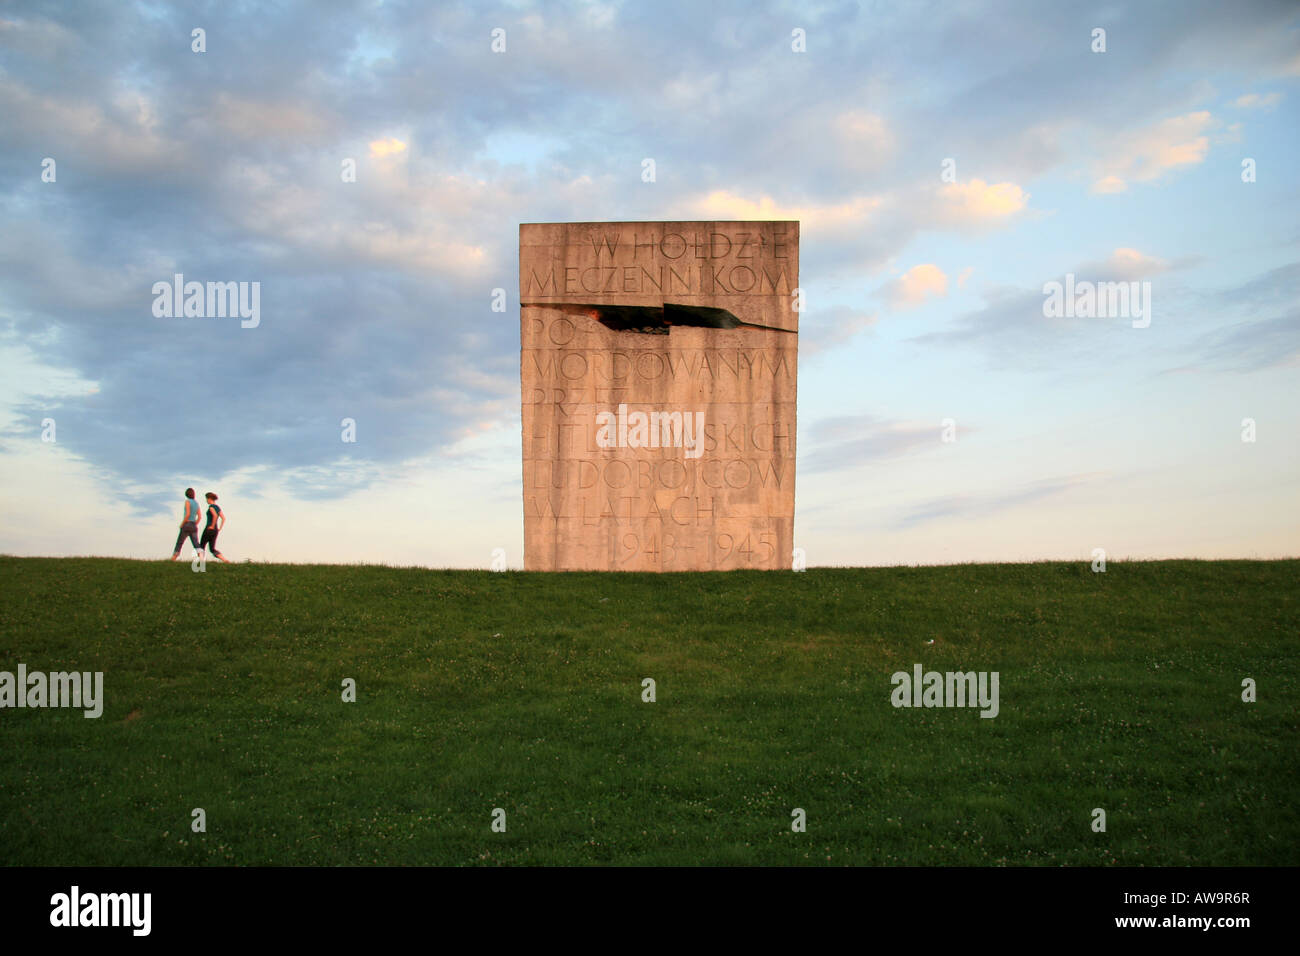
pixel 216 521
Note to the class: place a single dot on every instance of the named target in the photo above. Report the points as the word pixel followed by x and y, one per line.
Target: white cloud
pixel 978 202
pixel 1256 101
pixel 1147 154
pixel 387 146
pixel 916 285
pixel 826 217
pixel 1125 265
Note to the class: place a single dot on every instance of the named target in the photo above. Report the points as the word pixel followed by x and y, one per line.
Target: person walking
pixel 189 525
pixel 216 521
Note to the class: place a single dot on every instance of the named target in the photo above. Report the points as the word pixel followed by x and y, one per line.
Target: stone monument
pixel 658 365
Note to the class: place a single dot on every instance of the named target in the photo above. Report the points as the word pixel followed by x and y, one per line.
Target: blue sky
pixel 925 292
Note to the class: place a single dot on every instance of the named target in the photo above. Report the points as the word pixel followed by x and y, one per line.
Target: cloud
pixel 263 120
pixel 1123 265
pixel 1253 345
pixel 1010 324
pixel 43 38
pixel 864 137
pixel 1268 334
pixel 851 441
pixel 1146 154
pixel 826 329
pixel 968 507
pixel 964 275
pixel 120 134
pixel 1257 101
pixel 389 146
pixel 977 202
pixel 916 285
pixel 829 218
pixel 1013 330
pixel 863 231
pixel 1109 184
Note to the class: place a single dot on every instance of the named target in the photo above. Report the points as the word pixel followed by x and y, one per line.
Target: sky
pixel 946 162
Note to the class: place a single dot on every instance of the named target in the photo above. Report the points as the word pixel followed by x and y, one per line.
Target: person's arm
pixel 221 518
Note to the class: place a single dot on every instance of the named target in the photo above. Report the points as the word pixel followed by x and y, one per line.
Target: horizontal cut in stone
pixel 656 320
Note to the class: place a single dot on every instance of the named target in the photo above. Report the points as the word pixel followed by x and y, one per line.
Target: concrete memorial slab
pixel 658 365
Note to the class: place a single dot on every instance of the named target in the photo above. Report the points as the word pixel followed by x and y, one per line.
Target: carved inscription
pixel 661 452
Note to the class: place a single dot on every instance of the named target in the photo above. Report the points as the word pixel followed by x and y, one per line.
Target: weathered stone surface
pixel 648 444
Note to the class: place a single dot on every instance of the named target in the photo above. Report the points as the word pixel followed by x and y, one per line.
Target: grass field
pixel 477 690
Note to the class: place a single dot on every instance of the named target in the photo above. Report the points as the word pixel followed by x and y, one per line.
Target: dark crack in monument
pixel 658 363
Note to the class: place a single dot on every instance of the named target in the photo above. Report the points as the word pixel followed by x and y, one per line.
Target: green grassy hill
pixel 477 690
